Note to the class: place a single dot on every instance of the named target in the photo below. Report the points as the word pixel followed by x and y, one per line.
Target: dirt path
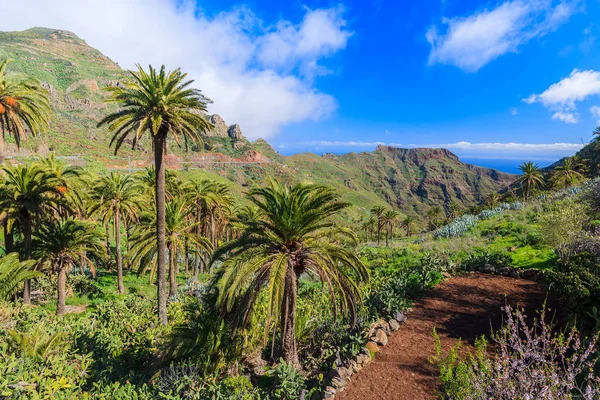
pixel 462 307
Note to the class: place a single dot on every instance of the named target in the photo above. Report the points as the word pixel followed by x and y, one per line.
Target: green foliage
pixel 12 273
pixel 563 224
pixel 288 384
pixel 482 257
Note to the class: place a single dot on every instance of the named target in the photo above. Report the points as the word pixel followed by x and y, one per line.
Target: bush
pixel 288 384
pixel 474 261
pixel 531 362
pixel 563 225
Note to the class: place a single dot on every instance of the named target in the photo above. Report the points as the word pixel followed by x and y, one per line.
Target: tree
pixel 453 210
pixel 24 108
pixel 493 200
pixel 59 245
pixel 434 215
pixel 389 217
pixel 179 230
pixel 532 178
pixel 13 272
pixel 29 194
pixel 408 223
pixel 117 199
pixel 201 195
pixel 566 174
pixel 377 212
pixel 160 103
pixel 294 236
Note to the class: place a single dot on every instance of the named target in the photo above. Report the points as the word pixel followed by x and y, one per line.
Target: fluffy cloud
pixel 563 96
pixel 566 117
pixel 473 41
pixel 257 74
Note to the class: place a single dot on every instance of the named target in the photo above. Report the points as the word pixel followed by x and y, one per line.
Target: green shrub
pixel 288 384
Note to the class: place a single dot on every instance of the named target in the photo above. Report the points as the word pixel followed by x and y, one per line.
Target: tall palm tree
pixel 60 244
pixel 408 224
pixel 162 104
pixel 179 231
pixel 29 194
pixel 201 195
pixel 13 272
pixel 293 237
pixel 24 108
pixel 532 178
pixel 377 212
pixel 389 217
pixel 116 197
pixel 566 174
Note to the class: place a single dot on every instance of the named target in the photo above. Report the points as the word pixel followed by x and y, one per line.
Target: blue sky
pixel 491 80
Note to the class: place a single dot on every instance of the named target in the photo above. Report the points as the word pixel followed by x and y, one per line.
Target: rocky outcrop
pixel 221 129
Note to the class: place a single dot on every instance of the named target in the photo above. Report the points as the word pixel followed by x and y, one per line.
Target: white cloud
pixel 595 110
pixel 258 74
pixel 473 41
pixel 514 111
pixel 566 117
pixel 563 95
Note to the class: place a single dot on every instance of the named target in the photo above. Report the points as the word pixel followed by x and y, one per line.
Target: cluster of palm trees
pixel 570 171
pixel 50 213
pixel 382 219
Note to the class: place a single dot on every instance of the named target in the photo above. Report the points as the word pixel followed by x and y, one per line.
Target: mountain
pixel 410 180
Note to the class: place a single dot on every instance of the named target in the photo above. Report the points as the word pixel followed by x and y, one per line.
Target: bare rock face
pixel 235 132
pixel 220 127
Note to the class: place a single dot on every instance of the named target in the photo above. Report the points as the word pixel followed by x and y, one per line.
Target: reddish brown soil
pixel 462 307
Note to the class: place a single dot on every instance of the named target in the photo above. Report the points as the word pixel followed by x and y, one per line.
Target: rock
pixel 340 372
pixel 394 325
pixel 381 337
pixel 505 271
pixel 373 348
pixel 515 273
pixel 329 392
pixel 338 383
pixel 220 127
pixel 384 325
pixel 488 269
pixel 399 316
pixel 235 132
pixel 365 351
pixel 532 274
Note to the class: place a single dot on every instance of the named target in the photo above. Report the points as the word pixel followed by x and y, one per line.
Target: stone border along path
pixel 463 307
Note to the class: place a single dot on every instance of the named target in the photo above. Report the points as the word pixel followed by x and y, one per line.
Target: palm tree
pixel 24 108
pixel 389 217
pixel 453 210
pixel 566 174
pixel 159 103
pixel 29 193
pixel 201 195
pixel 492 200
pixel 532 178
pixel 408 223
pixel 294 236
pixel 434 215
pixel 377 212
pixel 117 199
pixel 60 244
pixel 179 231
pixel 13 272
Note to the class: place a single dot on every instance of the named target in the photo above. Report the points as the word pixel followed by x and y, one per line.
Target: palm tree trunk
pixel 61 289
pixel 172 271
pixel 2 150
pixel 120 286
pixel 159 148
pixel 196 265
pixel 26 219
pixel 289 351
pixel 186 263
pixel 378 231
pixel 8 237
pixel 107 227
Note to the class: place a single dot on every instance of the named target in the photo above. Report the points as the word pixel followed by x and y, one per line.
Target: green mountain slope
pixel 410 180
